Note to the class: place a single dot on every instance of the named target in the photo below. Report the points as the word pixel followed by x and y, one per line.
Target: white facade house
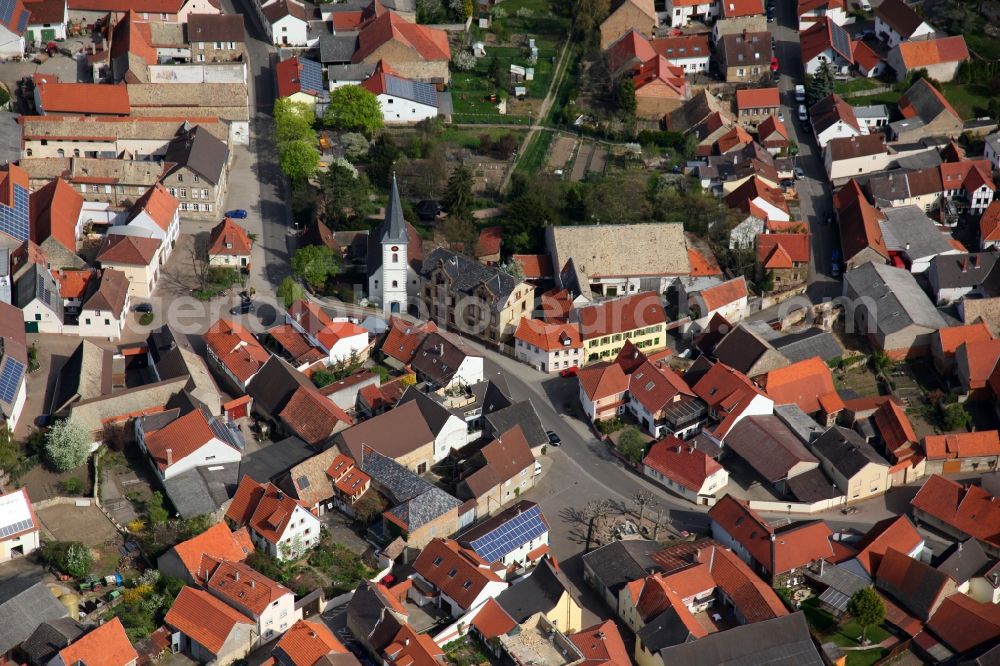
pixel 303 527
pixel 37 294
pixel 728 299
pixel 49 24
pixel 158 213
pixel 855 156
pixel 896 22
pixel 270 604
pixel 403 101
pixel 288 22
pixel 279 525
pixel 197 7
pixel 18 525
pixel 666 458
pixel 681 12
pixel 838 128
pixel 547 347
pixel 185 443
pixel 340 340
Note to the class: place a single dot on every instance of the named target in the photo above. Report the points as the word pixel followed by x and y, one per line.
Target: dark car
pixel 554 439
pixel 428 209
pixel 245 307
pixel 143 307
pixel 236 214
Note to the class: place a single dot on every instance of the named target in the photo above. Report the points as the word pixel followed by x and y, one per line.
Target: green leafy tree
pixel 315 264
pixel 881 361
pixel 290 291
pixel 954 416
pixel 766 282
pixel 382 158
pixel 819 85
pixel 624 96
pixel 71 557
pixel 67 445
pixel 494 71
pixel 299 160
pixel 867 609
pixel 587 18
pixel 293 121
pixel 458 196
pixel 631 444
pixel 346 197
pixel 354 109
pixel 154 508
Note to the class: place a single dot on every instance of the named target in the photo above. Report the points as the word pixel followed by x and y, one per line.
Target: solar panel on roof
pixel 841 42
pixel 310 75
pixel 422 93
pixel 14 218
pixel 20 526
pixel 6 10
pixel 22 22
pixel 511 535
pixel 10 379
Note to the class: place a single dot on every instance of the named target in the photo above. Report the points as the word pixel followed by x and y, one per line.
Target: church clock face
pixel 394 248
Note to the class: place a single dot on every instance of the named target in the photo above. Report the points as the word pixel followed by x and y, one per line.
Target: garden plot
pixel 561 152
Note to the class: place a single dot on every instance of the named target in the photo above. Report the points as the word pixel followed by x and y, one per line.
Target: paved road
pixel 814 190
pixel 256 182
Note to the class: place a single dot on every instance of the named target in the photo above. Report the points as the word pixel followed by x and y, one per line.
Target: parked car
pixel 554 439
pixel 799 173
pixel 143 307
pixel 568 372
pixel 245 307
pixel 770 14
pixel 800 93
pixel 774 64
pixel 835 263
pixel 236 214
pixel 803 113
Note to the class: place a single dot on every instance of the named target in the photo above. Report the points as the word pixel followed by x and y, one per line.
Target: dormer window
pixel 452 573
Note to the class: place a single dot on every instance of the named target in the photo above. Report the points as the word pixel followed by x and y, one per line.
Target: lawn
pixel 469 137
pixel 856 85
pixel 844 635
pixel 534 155
pixel 889 98
pixel 983 45
pixel 864 657
pixel 470 91
pixel 970 100
pixel 536 18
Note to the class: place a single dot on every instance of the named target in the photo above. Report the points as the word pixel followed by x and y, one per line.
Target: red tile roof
pixel 505 458
pixel 758 98
pixel 970 510
pixel 919 587
pixel 965 624
pixel 926 52
pixel 492 621
pixel 601 645
pixel 262 507
pixel 659 70
pixel 204 619
pixel 952 337
pixel 682 47
pixel 702 263
pixel 318 324
pixel 243 586
pixel 796 247
pixel 430 44
pixel 818 38
pixel 296 345
pixel 772 130
pixel 894 426
pixel 602 380
pixel 534 266
pixel 657 386
pixel 82 98
pixel 956 445
pixel 738 8
pixel 859 222
pixel 978 359
pixel 548 337
pixel 409 648
pixel 556 305
pixel 620 315
pixel 306 642
pixel 219 543
pixel 236 348
pixel 73 283
pixel 802 383
pixel 632 47
pixel 794 546
pixel 681 462
pixel 898 533
pixel 128 250
pixel 864 56
pixel 746 195
pixel 181 437
pixel 13 22
pixel 229 238
pixel 311 416
pixel 756 600
pixel 403 338
pixel 458 572
pixel 55 209
pixel 727 391
pixel 107 645
pixel 288 74
pixel 724 294
pixel 989 223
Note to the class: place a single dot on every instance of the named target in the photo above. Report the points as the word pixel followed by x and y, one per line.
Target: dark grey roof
pixel 273 460
pixel 518 414
pixel 811 486
pixel 215 28
pixel 37 282
pixel 414 91
pixel 49 638
pixel 87 369
pixel 741 349
pixel 962 270
pixel 157 420
pixel 393 229
pixel 965 560
pixel 804 426
pixel 337 49
pixel 199 151
pixel 908 229
pixel 467 275
pixel 417 501
pixel 807 344
pixel 20 613
pixel 901 302
pixel 367 615
pixel 274 384
pixel 665 630
pixel 352 73
pixel 768 445
pixel 539 591
pixel 621 562
pixel 846 451
pixel 202 490
pixel 439 356
pixel 780 641
pixel 924 102
pixel 434 413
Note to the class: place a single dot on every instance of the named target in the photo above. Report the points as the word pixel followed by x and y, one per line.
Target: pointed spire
pixel 394 227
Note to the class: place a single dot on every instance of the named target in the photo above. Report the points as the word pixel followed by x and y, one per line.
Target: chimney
pixel 253 583
pixel 170 457
pixel 822 566
pixel 960 546
pixel 678 448
pixel 406 641
pixel 600 635
pixel 237 577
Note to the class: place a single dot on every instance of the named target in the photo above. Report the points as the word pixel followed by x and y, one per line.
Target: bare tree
pixel 642 499
pixel 659 521
pixel 595 511
pixel 198 253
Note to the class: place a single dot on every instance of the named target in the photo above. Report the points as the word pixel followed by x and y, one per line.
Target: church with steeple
pixel 394 258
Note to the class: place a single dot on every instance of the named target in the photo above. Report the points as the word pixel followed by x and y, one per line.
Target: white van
pixel 800 93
